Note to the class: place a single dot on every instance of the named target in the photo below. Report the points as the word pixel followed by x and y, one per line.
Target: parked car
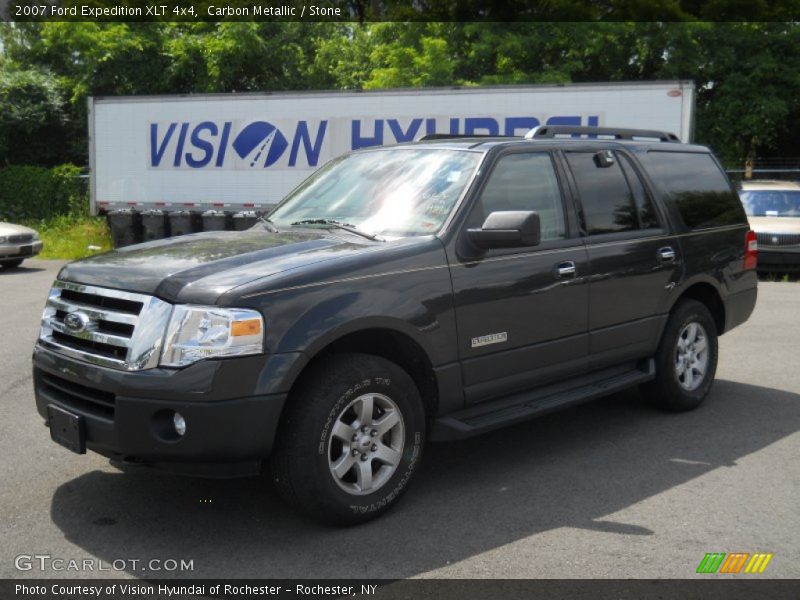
pixel 16 244
pixel 773 209
pixel 428 291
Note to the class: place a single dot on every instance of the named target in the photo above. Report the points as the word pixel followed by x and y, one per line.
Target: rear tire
pixel 686 360
pixel 350 439
pixel 11 264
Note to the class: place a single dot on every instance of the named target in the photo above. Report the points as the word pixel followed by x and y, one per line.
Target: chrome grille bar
pixel 97 314
pixel 94 336
pixel 78 326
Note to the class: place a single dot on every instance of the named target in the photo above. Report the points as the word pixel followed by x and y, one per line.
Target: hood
pixel 202 266
pixel 11 229
pixel 775 224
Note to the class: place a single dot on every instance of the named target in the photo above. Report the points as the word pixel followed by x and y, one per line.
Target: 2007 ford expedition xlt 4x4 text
pixel 427 291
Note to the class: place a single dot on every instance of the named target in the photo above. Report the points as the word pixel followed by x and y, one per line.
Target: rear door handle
pixel 666 254
pixel 565 269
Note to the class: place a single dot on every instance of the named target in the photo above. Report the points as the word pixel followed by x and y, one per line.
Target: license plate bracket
pixel 66 429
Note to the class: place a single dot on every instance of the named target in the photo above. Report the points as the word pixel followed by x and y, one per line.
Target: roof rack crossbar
pixel 460 136
pixel 551 131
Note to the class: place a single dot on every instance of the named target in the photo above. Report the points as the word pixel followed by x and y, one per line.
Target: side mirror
pixel 508 229
pixel 604 159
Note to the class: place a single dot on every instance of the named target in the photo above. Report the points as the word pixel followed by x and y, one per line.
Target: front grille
pixel 130 307
pixel 78 397
pixel 110 350
pixel 104 325
pixel 21 238
pixel 109 327
pixel 778 239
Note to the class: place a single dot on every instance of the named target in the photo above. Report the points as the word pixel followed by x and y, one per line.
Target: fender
pixel 416 305
pixel 695 279
pixel 351 311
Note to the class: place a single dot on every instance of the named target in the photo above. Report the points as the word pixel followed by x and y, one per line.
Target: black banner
pixel 416 589
pixel 394 10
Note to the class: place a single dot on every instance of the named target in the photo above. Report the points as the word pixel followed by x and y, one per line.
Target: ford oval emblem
pixel 76 322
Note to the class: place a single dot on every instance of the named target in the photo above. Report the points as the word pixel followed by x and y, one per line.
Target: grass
pixel 69 237
pixel 781 277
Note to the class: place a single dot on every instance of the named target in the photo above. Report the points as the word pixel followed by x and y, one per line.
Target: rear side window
pixel 607 201
pixel 697 187
pixel 644 205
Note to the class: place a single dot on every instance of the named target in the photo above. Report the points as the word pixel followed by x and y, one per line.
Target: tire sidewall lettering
pixel 411 452
pixel 401 484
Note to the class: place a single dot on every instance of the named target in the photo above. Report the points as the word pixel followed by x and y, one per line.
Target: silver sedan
pixel 16 244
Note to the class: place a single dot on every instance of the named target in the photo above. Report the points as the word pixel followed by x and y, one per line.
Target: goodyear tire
pixel 686 360
pixel 350 440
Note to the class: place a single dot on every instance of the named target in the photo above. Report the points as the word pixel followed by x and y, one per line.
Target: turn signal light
pixel 247 327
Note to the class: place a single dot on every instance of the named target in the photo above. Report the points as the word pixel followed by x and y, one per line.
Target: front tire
pixel 350 439
pixel 686 360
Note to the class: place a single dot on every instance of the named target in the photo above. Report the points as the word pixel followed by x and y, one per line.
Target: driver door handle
pixel 565 269
pixel 666 254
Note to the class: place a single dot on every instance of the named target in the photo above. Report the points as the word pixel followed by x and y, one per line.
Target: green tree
pixel 411 55
pixel 747 74
pixel 33 123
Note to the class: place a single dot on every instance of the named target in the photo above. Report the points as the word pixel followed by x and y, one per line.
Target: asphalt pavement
pixel 609 489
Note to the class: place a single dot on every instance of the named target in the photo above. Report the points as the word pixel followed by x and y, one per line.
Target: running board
pixel 495 414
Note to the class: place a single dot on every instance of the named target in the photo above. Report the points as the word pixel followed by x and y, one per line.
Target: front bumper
pixel 14 251
pixel 779 259
pixel 231 409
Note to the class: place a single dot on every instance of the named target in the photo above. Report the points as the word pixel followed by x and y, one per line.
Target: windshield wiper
pixel 270 225
pixel 340 225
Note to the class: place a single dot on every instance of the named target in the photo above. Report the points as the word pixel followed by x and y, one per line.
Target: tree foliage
pixel 47 192
pixel 747 74
pixel 33 122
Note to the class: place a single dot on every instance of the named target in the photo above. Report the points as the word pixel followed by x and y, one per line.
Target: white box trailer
pixel 237 152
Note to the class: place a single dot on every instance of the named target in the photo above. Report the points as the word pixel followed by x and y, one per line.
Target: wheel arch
pixel 391 343
pixel 707 294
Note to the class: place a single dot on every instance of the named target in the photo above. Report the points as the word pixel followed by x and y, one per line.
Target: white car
pixel 16 244
pixel 773 209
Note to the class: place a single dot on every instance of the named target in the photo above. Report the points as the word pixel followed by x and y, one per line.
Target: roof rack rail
pixel 551 131
pixel 463 136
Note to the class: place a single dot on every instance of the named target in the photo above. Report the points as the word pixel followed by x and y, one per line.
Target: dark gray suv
pixel 427 291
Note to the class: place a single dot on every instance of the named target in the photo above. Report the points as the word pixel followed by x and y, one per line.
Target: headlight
pixel 2 240
pixel 198 332
pixel 36 235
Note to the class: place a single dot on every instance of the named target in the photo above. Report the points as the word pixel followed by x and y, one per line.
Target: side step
pixel 495 414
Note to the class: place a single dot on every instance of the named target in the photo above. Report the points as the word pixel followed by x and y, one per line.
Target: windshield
pixel 392 192
pixel 771 203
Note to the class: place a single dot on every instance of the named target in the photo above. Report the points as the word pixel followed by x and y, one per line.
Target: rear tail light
pixel 750 251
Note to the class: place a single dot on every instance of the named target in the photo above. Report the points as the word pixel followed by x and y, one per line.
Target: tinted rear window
pixel 607 202
pixel 697 187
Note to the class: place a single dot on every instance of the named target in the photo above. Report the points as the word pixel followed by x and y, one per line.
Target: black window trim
pixel 574 237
